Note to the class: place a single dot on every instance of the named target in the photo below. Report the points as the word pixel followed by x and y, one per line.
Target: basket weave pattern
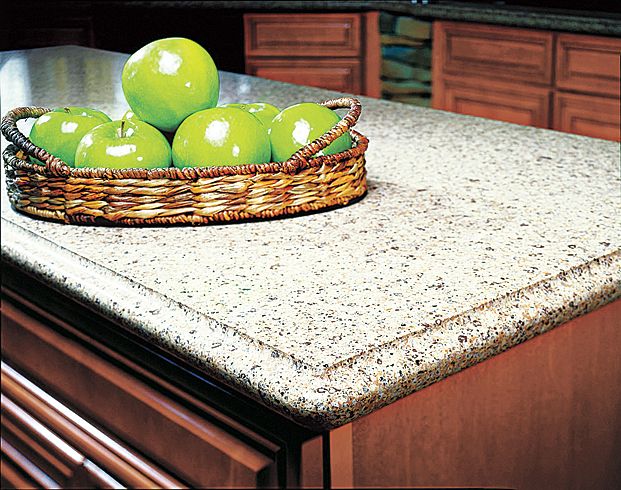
pixel 193 195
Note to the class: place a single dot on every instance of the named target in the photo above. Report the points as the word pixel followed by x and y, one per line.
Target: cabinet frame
pixel 355 58
pixel 240 414
pixel 561 67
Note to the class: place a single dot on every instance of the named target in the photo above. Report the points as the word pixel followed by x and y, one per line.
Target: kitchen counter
pixel 587 21
pixel 475 236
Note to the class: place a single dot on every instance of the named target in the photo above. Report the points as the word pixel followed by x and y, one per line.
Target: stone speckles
pixel 475 236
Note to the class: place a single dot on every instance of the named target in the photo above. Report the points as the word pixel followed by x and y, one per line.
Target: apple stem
pixel 67 110
pixel 122 129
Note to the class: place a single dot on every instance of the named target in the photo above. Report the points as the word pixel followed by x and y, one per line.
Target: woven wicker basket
pixel 189 195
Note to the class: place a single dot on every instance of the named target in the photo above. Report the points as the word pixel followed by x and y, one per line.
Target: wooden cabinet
pixel 342 75
pixel 588 64
pixel 144 416
pixel 497 100
pixel 504 53
pixel 333 51
pixel 562 81
pixel 588 82
pixel 85 404
pixel 590 115
pixel 544 414
pixel 77 412
pixel 49 445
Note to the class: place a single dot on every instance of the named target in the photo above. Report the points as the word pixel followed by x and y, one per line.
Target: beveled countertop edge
pixel 347 390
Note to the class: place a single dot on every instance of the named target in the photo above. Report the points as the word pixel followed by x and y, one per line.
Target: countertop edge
pixel 349 389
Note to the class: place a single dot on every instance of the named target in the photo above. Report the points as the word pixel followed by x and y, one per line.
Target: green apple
pixel 220 136
pixel 59 131
pixel 130 116
pixel 84 111
pixel 263 111
pixel 298 125
pixel 169 79
pixel 123 144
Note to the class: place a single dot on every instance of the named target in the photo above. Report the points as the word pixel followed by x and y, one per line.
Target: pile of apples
pixel 172 88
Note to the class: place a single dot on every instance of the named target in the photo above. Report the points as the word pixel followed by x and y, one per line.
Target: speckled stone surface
pixel 475 236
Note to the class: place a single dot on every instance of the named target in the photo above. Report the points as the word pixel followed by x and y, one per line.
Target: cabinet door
pixel 588 115
pixel 507 102
pixel 334 35
pixel 588 64
pixel 341 75
pixel 180 434
pixel 492 52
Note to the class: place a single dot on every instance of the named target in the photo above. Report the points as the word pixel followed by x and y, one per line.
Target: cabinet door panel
pixel 513 103
pixel 340 75
pixel 588 115
pixel 302 35
pixel 200 452
pixel 494 52
pixel 588 64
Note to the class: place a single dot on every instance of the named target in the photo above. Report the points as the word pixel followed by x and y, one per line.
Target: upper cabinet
pixel 337 51
pixel 567 82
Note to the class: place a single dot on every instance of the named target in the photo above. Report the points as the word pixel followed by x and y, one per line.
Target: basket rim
pixel 188 173
pixel 299 161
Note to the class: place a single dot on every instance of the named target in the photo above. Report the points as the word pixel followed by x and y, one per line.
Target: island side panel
pixel 544 414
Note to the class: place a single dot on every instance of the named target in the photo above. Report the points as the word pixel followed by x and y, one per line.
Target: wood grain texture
pixel 588 64
pixel 372 55
pixel 343 75
pixel 308 35
pixel 311 472
pixel 20 471
pixel 147 418
pixel 494 52
pixel 545 414
pixel 341 457
pixel 10 474
pixel 492 99
pixel 589 115
pixel 73 439
pixel 333 51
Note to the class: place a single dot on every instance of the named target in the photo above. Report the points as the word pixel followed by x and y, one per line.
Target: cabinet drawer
pixel 493 52
pixel 336 35
pixel 182 435
pixel 588 64
pixel 588 115
pixel 341 75
pixel 55 447
pixel 508 102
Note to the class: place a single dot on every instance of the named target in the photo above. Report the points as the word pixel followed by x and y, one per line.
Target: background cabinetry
pixel 336 51
pixel 552 80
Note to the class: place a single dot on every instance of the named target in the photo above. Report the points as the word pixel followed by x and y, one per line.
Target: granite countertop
pixel 584 21
pixel 475 236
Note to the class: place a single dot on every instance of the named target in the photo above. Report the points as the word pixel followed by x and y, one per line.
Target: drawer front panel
pixel 49 441
pixel 588 115
pixel 588 64
pixel 340 75
pixel 507 102
pixel 200 452
pixel 300 35
pixel 494 52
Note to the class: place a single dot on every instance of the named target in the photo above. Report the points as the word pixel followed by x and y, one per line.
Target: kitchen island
pixel 317 333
